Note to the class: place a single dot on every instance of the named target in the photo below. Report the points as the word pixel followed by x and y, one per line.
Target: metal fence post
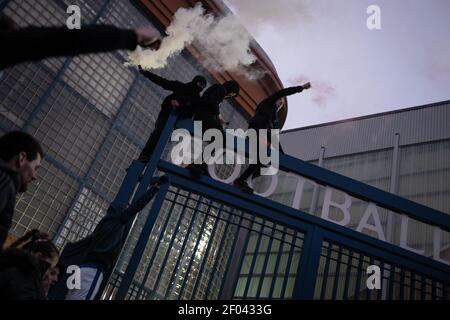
pixel 307 271
pixel 142 242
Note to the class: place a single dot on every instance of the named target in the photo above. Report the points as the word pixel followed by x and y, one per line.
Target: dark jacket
pixel 20 276
pixel 9 186
pixel 211 100
pixel 186 94
pixel 110 234
pixel 36 43
pixel 266 115
pixel 102 247
pixel 208 110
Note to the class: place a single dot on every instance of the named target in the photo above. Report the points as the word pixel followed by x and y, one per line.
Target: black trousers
pixel 209 121
pixel 256 167
pixel 155 135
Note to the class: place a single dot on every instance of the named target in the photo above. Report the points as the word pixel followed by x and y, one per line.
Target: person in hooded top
pixel 208 112
pixel 266 117
pixel 184 98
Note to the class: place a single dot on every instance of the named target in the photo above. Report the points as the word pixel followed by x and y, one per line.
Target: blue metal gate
pixel 202 239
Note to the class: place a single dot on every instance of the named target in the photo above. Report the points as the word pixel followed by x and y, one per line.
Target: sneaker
pixel 242 185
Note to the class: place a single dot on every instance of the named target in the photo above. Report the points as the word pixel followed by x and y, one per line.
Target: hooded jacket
pixel 102 247
pixel 211 100
pixel 186 94
pixel 9 186
pixel 266 116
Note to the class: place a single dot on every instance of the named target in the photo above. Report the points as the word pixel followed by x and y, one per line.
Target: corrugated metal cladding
pixel 415 125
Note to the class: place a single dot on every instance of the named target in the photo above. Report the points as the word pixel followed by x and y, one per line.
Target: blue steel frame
pixel 166 255
pixel 221 246
pixel 316 230
pixel 259 232
pixel 183 246
pixel 150 263
pixel 266 260
pixel 208 249
pixel 244 247
pixel 277 262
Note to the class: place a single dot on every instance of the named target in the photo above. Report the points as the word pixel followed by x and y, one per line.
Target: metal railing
pixel 203 239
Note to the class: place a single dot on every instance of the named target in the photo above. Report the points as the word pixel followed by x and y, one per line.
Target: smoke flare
pixel 225 43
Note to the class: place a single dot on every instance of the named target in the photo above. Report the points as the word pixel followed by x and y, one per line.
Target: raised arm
pixel 170 85
pixel 140 203
pixel 36 43
pixel 283 93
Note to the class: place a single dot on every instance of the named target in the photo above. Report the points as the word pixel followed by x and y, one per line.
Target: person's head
pixel 199 82
pixel 232 88
pixel 22 153
pixel 50 279
pixel 39 245
pixel 53 275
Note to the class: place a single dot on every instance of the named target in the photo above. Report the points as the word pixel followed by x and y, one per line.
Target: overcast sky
pixel 354 71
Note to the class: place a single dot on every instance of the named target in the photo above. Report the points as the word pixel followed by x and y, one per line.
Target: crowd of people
pixel 32 267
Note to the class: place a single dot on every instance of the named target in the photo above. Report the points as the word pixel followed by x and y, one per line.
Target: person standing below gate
pixel 266 117
pixel 184 98
pixel 20 158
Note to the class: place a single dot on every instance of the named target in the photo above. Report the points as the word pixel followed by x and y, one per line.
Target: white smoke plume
pixel 224 42
pixel 283 14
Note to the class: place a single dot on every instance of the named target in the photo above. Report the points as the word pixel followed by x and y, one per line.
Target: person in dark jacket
pixel 39 245
pixel 36 43
pixel 208 112
pixel 266 117
pixel 20 276
pixel 184 98
pixel 20 158
pixel 96 254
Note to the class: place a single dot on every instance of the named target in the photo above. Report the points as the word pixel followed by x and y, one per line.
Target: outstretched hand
pixel 148 37
pixel 307 86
